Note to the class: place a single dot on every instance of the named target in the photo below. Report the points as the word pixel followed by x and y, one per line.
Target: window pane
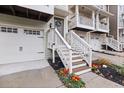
pixel 38 32
pixel 34 32
pixel 14 30
pixel 9 29
pixel 3 29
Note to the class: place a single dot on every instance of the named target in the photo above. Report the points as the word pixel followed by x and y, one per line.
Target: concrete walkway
pixel 39 78
pixel 94 81
pixel 47 78
pixel 114 59
pixel 120 54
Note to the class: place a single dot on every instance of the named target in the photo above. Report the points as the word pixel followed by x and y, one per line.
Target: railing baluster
pixel 82 47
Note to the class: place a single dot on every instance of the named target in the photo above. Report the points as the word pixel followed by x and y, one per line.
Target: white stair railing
pixel 81 46
pixel 63 49
pixel 114 44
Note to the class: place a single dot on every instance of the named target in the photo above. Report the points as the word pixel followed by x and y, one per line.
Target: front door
pixel 59 24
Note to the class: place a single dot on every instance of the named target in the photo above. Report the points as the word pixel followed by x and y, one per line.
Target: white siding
pixel 42 8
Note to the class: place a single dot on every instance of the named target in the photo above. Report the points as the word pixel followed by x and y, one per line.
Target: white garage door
pixel 20 44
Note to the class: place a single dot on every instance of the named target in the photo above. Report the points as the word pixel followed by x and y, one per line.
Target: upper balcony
pixel 102 23
pixel 61 10
pixel 103 7
pixel 81 18
pixel 121 16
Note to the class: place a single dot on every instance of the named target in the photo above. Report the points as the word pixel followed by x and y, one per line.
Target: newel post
pixel 53 46
pixel 70 61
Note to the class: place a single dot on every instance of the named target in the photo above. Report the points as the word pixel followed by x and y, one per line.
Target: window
pixel 3 29
pixel 8 29
pixel 31 32
pixel 14 30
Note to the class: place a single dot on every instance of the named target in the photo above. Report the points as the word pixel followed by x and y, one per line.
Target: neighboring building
pixel 91 23
pixel 117 22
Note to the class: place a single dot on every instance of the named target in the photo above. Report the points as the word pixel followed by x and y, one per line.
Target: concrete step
pixel 78 64
pixel 81 70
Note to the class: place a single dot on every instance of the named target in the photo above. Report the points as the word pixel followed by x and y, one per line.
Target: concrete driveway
pixel 38 78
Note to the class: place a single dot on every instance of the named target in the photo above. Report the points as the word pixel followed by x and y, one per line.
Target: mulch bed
pixel 111 74
pixel 57 65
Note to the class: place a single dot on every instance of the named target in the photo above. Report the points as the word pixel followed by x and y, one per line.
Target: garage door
pixel 20 44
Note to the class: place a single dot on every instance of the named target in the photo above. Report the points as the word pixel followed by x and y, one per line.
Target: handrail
pixel 64 41
pixel 116 45
pixel 83 41
pixel 62 47
pixel 81 46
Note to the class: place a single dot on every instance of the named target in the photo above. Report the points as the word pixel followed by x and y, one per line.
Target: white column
pixel 108 23
pixel 88 37
pixel 53 46
pixel 77 13
pixel 93 18
pixel 97 20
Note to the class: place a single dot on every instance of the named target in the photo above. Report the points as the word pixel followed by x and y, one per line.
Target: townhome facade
pixel 117 23
pixel 91 23
pixel 30 33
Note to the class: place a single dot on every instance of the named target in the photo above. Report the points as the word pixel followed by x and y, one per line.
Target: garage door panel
pixel 19 47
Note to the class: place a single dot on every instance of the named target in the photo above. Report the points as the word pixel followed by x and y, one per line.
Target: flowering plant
pixel 70 80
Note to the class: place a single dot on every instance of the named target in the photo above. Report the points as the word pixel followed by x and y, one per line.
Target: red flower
pixel 75 78
pixel 95 65
pixel 66 71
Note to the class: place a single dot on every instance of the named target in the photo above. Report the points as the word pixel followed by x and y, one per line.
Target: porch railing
pixel 85 21
pixel 63 49
pixel 103 26
pixel 81 46
pixel 76 19
pixel 116 45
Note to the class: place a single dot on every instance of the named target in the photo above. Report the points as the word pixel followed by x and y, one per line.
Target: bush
pixel 70 80
pixel 119 69
pixel 102 61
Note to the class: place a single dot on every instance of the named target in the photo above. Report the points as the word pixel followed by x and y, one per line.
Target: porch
pixel 82 18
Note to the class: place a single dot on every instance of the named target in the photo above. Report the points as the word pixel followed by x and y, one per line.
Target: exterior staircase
pixel 79 65
pixel 75 55
pixel 114 44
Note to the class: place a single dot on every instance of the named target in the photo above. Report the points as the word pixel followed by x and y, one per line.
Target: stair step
pixel 76 55
pixel 81 70
pixel 78 64
pixel 76 60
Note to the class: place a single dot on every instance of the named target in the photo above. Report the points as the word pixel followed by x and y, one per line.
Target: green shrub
pixel 119 69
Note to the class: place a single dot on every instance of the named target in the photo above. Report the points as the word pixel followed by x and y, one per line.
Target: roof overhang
pixel 16 10
pixel 101 11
